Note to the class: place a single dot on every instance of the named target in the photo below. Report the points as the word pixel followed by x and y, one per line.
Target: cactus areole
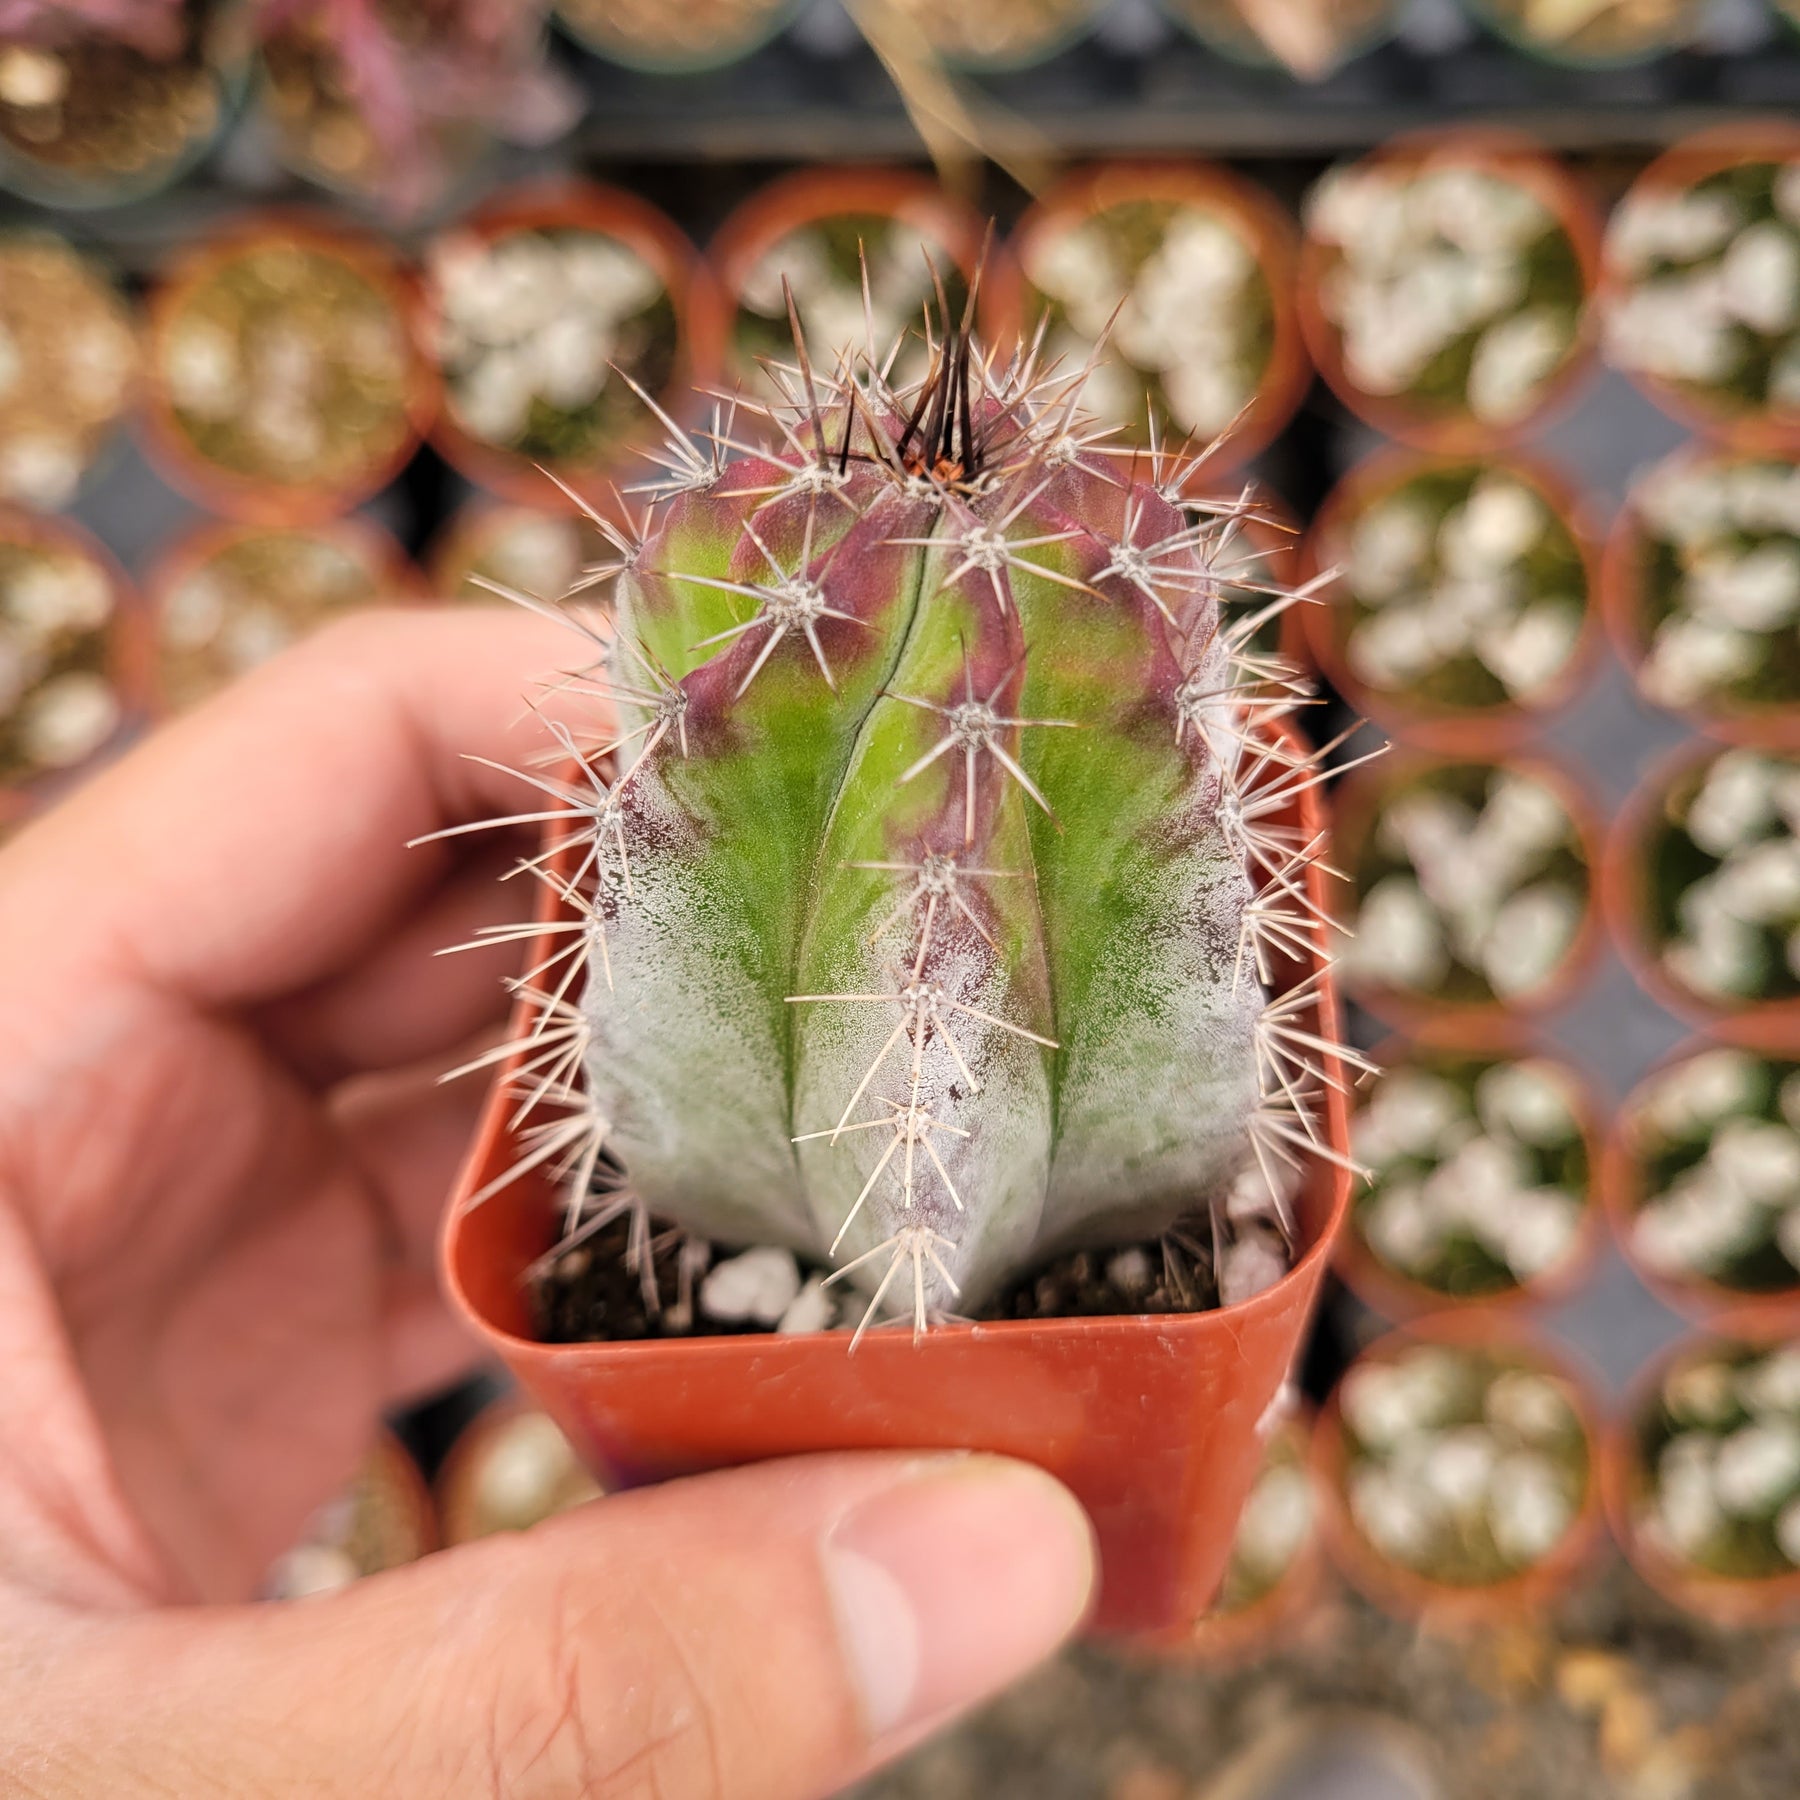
pixel 929 881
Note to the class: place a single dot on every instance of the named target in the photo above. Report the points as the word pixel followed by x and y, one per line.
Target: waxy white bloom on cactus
pixel 934 889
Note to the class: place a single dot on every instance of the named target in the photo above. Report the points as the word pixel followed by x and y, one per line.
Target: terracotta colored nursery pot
pixel 1626 905
pixel 264 499
pixel 393 579
pixel 1624 576
pixel 1735 1603
pixel 699 348
pixel 1696 159
pixel 1275 1616
pixel 1622 1194
pixel 1438 1605
pixel 1470 1023
pixel 1152 1421
pixel 1397 1296
pixel 952 229
pixel 1518 159
pixel 1011 305
pixel 1451 731
pixel 127 659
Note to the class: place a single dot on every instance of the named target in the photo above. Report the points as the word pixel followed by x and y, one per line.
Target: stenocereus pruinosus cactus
pixel 929 875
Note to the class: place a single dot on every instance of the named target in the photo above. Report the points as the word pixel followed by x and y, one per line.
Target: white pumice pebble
pixel 1701 1393
pixel 1530 1406
pixel 1458 1466
pixel 755 1287
pixel 812 1309
pixel 1529 1509
pixel 1758 1467
pixel 1277 1520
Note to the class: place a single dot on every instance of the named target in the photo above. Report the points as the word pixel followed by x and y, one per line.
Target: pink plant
pixel 152 26
pixel 472 61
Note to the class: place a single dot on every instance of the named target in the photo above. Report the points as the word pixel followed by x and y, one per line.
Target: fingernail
pixel 953 1583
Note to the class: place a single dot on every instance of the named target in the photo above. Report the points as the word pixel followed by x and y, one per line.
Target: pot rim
pixel 1523 159
pixel 1259 219
pixel 255 500
pixel 687 281
pixel 1391 1584
pixel 1758 138
pixel 1401 1298
pixel 1727 1600
pixel 1767 725
pixel 1454 1023
pixel 1451 731
pixel 1620 884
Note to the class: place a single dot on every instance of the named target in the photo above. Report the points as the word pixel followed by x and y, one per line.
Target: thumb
pixel 774 1631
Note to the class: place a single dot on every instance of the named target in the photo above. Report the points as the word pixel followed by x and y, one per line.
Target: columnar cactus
pixel 928 886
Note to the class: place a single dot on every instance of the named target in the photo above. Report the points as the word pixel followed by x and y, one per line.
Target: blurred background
pixel 1498 307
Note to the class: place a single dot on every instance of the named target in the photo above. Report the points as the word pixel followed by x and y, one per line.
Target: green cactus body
pixel 923 931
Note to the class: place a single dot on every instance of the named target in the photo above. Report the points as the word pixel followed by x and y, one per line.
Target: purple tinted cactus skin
pixel 918 919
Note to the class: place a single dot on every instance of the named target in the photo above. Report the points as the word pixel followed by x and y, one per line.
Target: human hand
pixel 223 1154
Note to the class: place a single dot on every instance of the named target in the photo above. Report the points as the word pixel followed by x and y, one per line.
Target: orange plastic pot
pixel 130 650
pixel 1519 159
pixel 1010 306
pixel 391 570
pixel 262 500
pixel 1279 1614
pixel 1445 1606
pixel 1737 1603
pixel 1468 1023
pixel 1461 731
pixel 1695 159
pixel 1625 902
pixel 1771 724
pixel 1622 1195
pixel 952 228
pixel 699 326
pixel 1396 1296
pixel 1152 1421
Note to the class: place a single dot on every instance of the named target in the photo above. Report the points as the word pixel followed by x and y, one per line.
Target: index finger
pixel 253 848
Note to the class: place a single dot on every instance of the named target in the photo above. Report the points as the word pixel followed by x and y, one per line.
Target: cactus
pixel 928 886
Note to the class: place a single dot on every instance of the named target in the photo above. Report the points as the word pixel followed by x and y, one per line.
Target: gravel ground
pixel 1616 1697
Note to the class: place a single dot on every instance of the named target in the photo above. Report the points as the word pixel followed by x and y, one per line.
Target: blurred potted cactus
pixel 1703 1178
pixel 392 102
pixel 665 39
pixel 1703 889
pixel 1459 1465
pixel 530 550
pixel 509 1469
pixel 952 930
pixel 1444 287
pixel 69 361
pixel 74 651
pixel 1479 1186
pixel 1461 614
pixel 565 313
pixel 1703 1479
pixel 815 234
pixel 1702 284
pixel 105 101
pixel 1701 587
pixel 1593 34
pixel 1310 39
pixel 381 1520
pixel 1472 889
pixel 286 382
pixel 1186 273
pixel 228 597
